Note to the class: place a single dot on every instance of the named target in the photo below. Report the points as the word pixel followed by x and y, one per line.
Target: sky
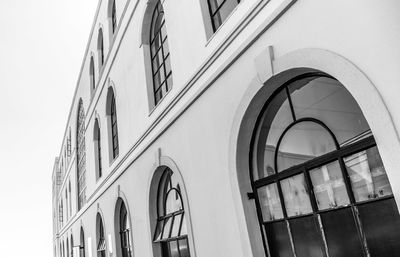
pixel 42 44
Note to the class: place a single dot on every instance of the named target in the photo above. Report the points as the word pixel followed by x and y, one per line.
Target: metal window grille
pixel 160 56
pixel 220 10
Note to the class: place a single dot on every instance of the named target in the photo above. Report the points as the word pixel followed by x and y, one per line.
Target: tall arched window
pixel 97 149
pixel 100 49
pixel 81 155
pixel 171 231
pixel 124 230
pixel 220 10
pixel 82 243
pixel 72 246
pixel 67 252
pixel 92 75
pixel 70 197
pixel 320 185
pixel 111 111
pixel 160 57
pixel 113 16
pixel 101 239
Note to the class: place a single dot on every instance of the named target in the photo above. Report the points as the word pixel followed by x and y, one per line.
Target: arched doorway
pixel 320 186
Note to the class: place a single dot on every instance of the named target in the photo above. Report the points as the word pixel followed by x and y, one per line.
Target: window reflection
pixel 270 204
pixel 329 188
pixel 302 142
pixel 296 196
pixel 327 100
pixel 270 131
pixel 367 174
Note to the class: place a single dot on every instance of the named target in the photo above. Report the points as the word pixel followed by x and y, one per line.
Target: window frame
pixel 304 168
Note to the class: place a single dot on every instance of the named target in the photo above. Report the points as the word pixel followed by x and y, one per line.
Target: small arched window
pixel 171 231
pixel 124 231
pixel 100 49
pixel 317 175
pixel 101 239
pixel 67 252
pixel 160 56
pixel 70 197
pixel 113 16
pixel 81 155
pixel 220 10
pixel 82 243
pixel 92 75
pixel 97 149
pixel 112 123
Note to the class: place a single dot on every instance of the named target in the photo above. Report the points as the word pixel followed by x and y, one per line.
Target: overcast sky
pixel 42 43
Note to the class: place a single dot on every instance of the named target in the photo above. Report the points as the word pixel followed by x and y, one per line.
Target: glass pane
pixel 270 203
pixel 302 142
pixel 341 233
pixel 381 221
pixel 329 186
pixel 306 237
pixel 173 249
pixel 276 118
pixel 184 248
pixel 297 199
pixel 278 239
pixel 183 227
pixel 367 174
pixel 226 9
pixel 176 225
pixel 167 227
pixel 327 100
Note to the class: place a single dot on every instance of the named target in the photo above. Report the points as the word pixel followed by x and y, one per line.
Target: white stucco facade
pixel 202 127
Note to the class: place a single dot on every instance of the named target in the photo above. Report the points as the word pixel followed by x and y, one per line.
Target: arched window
pixel 101 239
pixel 113 16
pixel 70 197
pixel 160 57
pixel 82 243
pixel 320 185
pixel 92 75
pixel 72 246
pixel 100 49
pixel 97 149
pixel 67 252
pixel 112 123
pixel 171 231
pixel 66 204
pixel 124 229
pixel 220 10
pixel 81 155
pixel 63 249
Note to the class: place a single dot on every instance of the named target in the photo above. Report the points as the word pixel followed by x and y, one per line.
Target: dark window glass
pixel 307 237
pixel 113 17
pixel 337 224
pixel 159 51
pixel 82 244
pixel 381 223
pixel 114 128
pixel 279 240
pixel 100 48
pixel 220 10
pixel 92 75
pixel 81 156
pixel 98 148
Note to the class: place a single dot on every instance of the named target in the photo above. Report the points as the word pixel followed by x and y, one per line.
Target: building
pixel 233 128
